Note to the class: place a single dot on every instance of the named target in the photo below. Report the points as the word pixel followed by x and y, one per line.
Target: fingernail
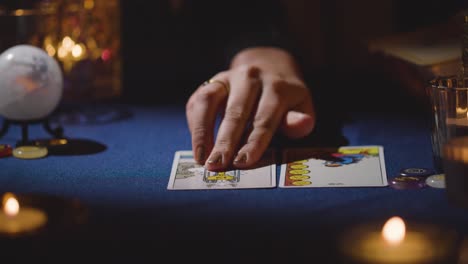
pixel 216 158
pixel 201 154
pixel 241 158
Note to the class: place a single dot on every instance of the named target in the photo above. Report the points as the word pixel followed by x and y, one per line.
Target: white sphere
pixel 31 83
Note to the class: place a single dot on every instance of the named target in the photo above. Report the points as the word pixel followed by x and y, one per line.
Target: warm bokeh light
pixel 77 51
pixel 6 196
pixel 394 230
pixel 19 12
pixel 50 50
pixel 62 52
pixel 11 206
pixel 84 31
pixel 461 111
pixel 88 4
pixel 68 43
pixel 106 55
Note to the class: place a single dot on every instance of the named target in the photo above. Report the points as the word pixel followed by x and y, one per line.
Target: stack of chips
pixel 417 178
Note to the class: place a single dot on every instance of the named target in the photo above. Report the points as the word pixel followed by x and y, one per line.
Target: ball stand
pixel 57 132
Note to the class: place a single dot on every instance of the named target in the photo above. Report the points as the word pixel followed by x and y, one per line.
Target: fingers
pixel 245 89
pixel 272 113
pixel 300 121
pixel 201 111
pixel 255 108
pixel 267 119
pixel 297 125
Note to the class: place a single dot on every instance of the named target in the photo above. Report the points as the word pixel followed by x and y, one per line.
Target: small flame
pixel 394 230
pixel 11 205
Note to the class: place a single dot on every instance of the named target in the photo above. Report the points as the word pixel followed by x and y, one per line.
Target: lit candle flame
pixel 11 205
pixel 394 230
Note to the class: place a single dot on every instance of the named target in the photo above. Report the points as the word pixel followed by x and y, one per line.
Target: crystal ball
pixel 31 83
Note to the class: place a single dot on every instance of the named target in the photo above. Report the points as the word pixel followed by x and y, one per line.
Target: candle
pixel 395 243
pixel 16 220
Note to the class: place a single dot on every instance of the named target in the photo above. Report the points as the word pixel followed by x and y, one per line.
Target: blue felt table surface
pixel 126 183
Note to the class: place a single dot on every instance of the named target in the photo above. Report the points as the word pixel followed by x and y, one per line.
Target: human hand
pixel 261 93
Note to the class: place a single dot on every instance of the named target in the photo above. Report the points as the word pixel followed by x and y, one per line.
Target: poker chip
pixel 436 181
pixel 421 172
pixel 5 150
pixel 407 182
pixel 30 152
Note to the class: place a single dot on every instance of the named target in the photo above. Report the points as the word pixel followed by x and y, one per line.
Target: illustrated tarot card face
pixel 350 166
pixel 186 174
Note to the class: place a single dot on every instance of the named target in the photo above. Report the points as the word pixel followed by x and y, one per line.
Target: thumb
pixel 297 125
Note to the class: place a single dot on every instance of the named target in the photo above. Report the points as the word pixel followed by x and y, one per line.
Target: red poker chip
pixel 5 150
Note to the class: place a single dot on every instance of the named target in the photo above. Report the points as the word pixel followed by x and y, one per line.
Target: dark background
pixel 168 50
pixel 169 47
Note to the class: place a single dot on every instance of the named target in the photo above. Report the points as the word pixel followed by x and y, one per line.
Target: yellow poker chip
pixel 5 150
pixel 30 152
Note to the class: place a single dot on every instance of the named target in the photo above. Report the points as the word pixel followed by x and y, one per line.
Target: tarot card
pixel 348 166
pixel 186 174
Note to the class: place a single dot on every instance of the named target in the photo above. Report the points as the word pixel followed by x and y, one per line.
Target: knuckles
pixel 199 134
pixel 248 71
pixel 235 115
